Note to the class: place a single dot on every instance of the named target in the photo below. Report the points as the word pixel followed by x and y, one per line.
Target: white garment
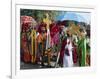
pixel 48 41
pixel 68 60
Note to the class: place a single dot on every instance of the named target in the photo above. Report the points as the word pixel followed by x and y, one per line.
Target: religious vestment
pixel 75 56
pixel 82 51
pixel 62 44
pixel 41 45
pixel 68 57
pixel 24 48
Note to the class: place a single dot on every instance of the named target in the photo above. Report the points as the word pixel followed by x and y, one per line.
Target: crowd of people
pixel 66 44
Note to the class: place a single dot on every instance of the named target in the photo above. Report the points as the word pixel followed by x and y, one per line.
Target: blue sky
pixel 77 16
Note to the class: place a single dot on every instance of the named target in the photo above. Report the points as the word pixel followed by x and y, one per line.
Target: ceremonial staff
pixel 33 42
pixel 48 22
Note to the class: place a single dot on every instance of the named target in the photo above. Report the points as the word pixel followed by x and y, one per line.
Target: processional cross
pixel 48 45
pixel 48 22
pixel 75 29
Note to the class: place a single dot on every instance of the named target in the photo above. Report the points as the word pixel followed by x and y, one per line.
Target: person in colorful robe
pixel 88 51
pixel 41 43
pixel 75 53
pixel 26 57
pixel 62 43
pixel 68 56
pixel 82 48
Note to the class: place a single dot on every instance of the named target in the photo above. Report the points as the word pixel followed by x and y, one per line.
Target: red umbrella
pixel 27 22
pixel 26 19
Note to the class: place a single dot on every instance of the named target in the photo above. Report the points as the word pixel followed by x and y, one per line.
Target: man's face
pixel 43 29
pixel 62 27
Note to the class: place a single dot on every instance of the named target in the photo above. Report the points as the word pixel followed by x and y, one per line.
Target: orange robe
pixel 41 44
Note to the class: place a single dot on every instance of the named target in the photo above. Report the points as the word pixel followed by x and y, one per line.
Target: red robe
pixel 62 51
pixel 75 56
pixel 24 46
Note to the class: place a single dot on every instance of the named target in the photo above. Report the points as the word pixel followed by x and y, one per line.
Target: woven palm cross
pixel 47 20
pixel 74 29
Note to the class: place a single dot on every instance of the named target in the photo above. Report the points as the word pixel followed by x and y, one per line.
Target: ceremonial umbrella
pixel 26 21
